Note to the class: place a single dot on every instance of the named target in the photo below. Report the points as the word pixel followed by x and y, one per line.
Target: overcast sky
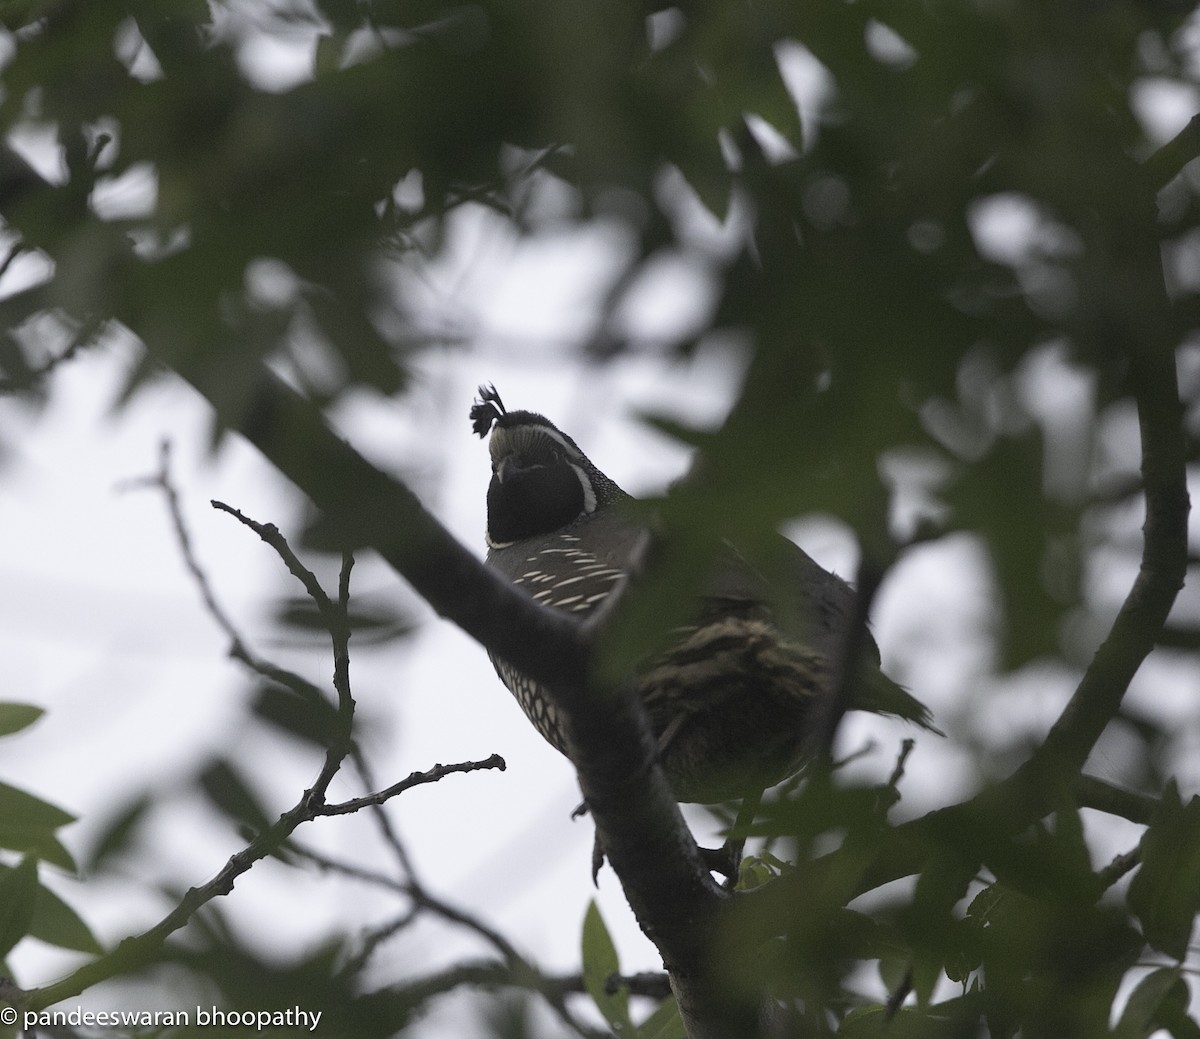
pixel 101 624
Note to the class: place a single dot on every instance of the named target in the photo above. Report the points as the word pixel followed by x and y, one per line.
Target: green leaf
pixel 929 924
pixel 864 1021
pixel 118 833
pixel 1140 1017
pixel 757 870
pixel 56 923
pixel 27 824
pixel 664 1023
pixel 18 897
pixel 599 964
pixel 1165 891
pixel 229 792
pixel 314 721
pixel 19 810
pixel 1000 495
pixel 17 716
pixel 1172 1013
pixel 41 843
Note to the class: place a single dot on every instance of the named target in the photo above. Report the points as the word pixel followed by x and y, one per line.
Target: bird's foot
pixel 597 859
pixel 725 860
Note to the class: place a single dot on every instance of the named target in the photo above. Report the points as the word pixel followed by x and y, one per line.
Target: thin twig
pixel 375 937
pixel 515 969
pixel 137 950
pixel 491 974
pixel 356 804
pixel 382 820
pixel 424 899
pixel 140 949
pixel 85 336
pixel 1121 864
pixel 239 649
pixel 272 536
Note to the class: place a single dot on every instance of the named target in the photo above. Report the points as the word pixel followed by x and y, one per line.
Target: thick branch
pixel 1051 776
pixel 643 834
pixel 1148 337
pixel 637 819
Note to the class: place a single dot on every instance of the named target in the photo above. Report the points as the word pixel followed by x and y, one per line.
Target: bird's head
pixel 541 480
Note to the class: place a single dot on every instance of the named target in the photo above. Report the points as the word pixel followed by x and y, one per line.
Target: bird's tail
pixel 879 694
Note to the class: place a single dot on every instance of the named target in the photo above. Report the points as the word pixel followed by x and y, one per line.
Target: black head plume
pixel 486 410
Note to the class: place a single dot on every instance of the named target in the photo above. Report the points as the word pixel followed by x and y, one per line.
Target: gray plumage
pixel 730 701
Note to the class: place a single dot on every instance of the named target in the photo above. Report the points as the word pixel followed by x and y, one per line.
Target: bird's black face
pixel 540 480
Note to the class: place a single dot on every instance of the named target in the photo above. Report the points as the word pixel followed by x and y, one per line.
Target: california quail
pixel 730 701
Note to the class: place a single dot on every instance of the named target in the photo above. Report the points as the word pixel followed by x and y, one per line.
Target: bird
pixel 731 699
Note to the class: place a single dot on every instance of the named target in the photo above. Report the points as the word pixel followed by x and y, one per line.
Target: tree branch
pixel 1052 774
pixel 139 950
pixel 414 779
pixel 1169 160
pixel 1095 793
pixel 143 949
pixel 646 840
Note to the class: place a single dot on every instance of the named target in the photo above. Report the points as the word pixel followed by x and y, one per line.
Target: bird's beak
pixel 506 467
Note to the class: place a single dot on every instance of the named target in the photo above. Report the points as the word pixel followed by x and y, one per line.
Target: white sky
pixel 100 624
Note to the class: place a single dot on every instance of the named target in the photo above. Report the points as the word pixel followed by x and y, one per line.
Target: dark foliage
pixel 886 314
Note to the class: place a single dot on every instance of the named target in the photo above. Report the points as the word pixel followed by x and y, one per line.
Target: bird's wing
pixel 806 601
pixel 814 607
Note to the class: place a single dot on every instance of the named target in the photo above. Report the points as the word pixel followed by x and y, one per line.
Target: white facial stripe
pixel 506 440
pixel 589 495
pixel 554 434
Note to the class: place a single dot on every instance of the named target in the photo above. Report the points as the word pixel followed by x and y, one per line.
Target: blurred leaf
pixel 812 811
pixel 599 964
pixel 228 792
pixel 1174 1014
pixel 117 836
pixel 1000 496
pixel 19 810
pixel 1045 863
pixel 1053 968
pixel 663 1023
pixel 315 721
pixel 40 843
pixel 929 925
pixel 757 870
pixel 1165 891
pixel 313 981
pixel 18 899
pixel 510 1017
pixel 27 824
pixel 17 716
pixel 1140 1018
pixel 367 620
pixel 944 1021
pixel 56 923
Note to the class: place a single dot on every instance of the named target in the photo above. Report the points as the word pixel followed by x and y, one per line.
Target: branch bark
pixel 671 892
pixel 647 842
pixel 1146 334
